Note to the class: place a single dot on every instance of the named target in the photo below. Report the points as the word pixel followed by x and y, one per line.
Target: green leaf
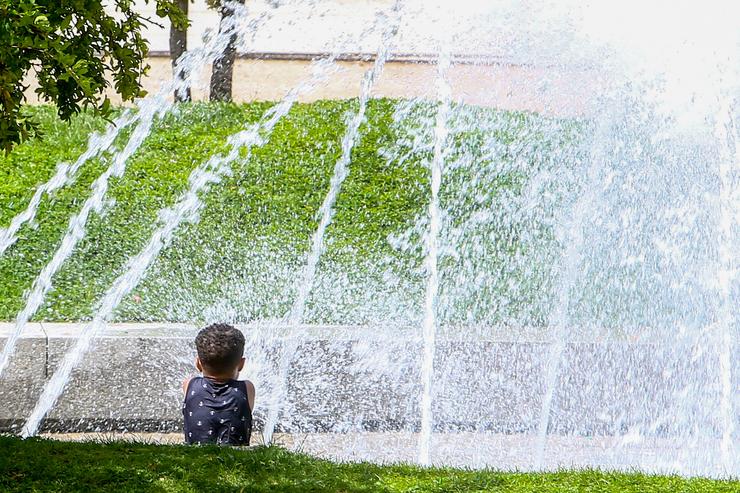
pixel 72 71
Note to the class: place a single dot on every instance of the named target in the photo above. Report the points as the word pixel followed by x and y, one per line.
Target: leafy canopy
pixel 70 46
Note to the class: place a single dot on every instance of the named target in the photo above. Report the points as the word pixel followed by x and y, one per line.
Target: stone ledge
pixel 131 379
pixel 280 330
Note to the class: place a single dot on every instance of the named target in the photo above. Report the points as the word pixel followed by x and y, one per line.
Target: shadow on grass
pixel 47 465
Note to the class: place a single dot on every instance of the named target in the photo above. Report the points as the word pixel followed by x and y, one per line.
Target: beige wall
pixel 507 31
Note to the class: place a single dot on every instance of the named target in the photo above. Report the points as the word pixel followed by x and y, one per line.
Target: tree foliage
pixel 70 46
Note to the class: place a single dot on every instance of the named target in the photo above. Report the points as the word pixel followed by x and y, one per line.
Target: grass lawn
pixel 45 465
pixel 241 260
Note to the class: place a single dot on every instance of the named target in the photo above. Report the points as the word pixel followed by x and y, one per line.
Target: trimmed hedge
pixel 241 260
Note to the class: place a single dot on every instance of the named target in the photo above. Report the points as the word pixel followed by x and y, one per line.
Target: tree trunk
pixel 223 67
pixel 178 46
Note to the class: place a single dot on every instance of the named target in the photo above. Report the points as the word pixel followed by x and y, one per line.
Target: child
pixel 218 407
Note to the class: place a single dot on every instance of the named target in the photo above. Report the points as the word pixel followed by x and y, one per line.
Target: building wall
pixel 308 26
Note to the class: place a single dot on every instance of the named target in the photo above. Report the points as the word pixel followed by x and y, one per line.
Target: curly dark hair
pixel 220 347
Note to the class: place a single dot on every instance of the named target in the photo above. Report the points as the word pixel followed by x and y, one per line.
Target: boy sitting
pixel 218 407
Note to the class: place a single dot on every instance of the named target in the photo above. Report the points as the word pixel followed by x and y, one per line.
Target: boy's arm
pixel 250 393
pixel 185 384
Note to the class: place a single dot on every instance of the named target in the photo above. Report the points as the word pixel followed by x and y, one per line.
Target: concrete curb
pixel 367 379
pixel 280 330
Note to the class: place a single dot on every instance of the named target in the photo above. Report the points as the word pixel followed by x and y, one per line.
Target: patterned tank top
pixel 217 412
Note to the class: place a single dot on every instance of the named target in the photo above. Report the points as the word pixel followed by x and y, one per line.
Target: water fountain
pixel 149 109
pixel 326 213
pixel 565 291
pixel 441 135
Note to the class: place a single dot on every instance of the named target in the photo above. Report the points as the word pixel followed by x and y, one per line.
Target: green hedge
pixel 240 261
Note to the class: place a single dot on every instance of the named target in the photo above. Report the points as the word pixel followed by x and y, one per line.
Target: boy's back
pixel 218 407
pixel 217 412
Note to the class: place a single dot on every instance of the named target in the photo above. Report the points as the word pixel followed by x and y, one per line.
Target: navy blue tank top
pixel 217 412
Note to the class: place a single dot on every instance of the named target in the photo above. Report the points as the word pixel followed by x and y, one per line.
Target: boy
pixel 218 407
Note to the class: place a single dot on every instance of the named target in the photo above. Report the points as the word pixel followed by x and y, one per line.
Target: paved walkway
pixel 547 90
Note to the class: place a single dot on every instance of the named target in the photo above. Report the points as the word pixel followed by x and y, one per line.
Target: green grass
pixel 46 465
pixel 240 261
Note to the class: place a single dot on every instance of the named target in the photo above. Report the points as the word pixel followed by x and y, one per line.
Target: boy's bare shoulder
pixel 250 393
pixel 250 389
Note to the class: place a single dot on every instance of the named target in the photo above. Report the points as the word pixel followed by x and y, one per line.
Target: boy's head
pixel 220 349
